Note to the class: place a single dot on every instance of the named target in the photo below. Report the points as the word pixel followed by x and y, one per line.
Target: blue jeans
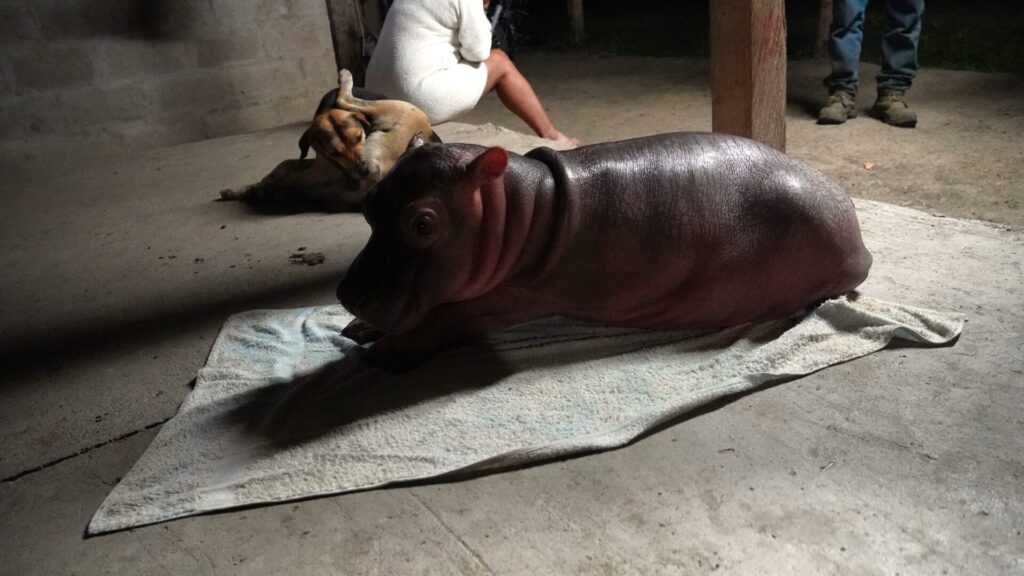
pixel 899 45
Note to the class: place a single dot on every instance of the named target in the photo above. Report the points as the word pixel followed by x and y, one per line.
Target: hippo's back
pixel 720 168
pixel 691 187
pixel 718 217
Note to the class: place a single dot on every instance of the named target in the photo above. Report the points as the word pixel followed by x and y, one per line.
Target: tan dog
pixel 356 142
pixel 393 123
pixel 338 136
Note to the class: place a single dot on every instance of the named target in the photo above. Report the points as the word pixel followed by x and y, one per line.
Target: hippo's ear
pixel 417 140
pixel 489 165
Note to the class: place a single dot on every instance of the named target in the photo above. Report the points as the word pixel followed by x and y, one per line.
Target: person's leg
pixel 518 96
pixel 899 62
pixel 899 45
pixel 844 43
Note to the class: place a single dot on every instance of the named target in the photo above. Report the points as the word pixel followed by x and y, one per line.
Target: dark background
pixel 982 35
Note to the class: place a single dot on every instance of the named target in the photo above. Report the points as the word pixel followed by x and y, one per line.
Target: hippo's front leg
pixel 360 332
pixel 446 326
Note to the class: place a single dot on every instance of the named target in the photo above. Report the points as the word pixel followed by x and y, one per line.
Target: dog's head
pixel 338 135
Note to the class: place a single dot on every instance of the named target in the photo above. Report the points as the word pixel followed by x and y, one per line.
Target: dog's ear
pixel 304 144
pixel 363 121
pixel 417 140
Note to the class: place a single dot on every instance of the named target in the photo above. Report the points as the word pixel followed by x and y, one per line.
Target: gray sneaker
pixel 840 107
pixel 892 109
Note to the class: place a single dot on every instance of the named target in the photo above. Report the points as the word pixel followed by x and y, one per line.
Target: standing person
pixel 437 55
pixel 899 66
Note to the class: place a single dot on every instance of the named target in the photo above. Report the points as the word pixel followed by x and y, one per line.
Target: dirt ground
pixel 965 159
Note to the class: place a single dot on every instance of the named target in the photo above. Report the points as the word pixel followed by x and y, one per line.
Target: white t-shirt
pixel 430 53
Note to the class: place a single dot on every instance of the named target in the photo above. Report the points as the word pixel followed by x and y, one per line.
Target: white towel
pixel 284 409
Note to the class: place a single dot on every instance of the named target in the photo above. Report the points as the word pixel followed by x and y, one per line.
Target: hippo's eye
pixel 424 226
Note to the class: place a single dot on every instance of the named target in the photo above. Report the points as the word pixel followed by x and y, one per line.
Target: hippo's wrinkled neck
pixel 517 222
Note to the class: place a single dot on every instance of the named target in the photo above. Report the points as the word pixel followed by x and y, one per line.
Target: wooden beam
pixel 748 69
pixel 346 21
pixel 576 21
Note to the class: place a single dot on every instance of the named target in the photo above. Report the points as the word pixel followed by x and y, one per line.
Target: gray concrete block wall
pixel 134 73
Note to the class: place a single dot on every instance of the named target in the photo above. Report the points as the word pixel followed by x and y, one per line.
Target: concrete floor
pixel 118 273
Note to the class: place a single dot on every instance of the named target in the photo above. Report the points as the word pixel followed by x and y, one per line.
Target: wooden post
pixel 748 69
pixel 820 49
pixel 346 21
pixel 576 21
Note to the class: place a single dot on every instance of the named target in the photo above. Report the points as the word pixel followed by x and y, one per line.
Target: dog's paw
pixel 372 158
pixel 345 83
pixel 373 171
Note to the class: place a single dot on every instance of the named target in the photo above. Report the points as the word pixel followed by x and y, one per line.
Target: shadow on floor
pixel 163 320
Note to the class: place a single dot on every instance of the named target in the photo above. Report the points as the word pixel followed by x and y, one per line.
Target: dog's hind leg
pixel 384 115
pixel 345 99
pixel 296 184
pixel 256 191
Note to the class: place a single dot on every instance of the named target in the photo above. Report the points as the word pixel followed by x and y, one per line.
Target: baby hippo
pixel 674 231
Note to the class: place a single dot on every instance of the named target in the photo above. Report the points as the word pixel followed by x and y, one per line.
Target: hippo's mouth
pixel 391 315
pixel 386 299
